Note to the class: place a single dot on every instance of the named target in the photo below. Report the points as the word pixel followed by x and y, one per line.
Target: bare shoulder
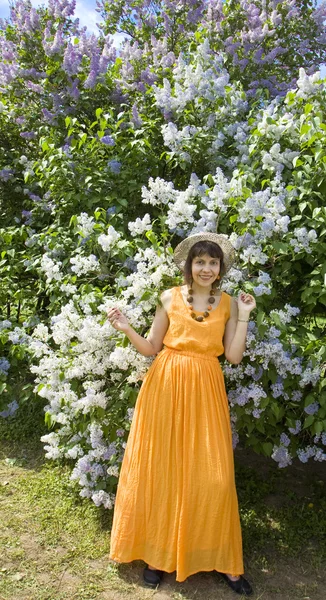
pixel 166 298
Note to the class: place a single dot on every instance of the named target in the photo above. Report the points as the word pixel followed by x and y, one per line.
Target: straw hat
pixel 182 250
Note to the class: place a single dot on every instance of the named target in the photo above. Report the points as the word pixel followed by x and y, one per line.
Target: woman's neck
pixel 200 290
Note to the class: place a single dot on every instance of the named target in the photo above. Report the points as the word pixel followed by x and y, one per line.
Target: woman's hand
pixel 118 319
pixel 246 303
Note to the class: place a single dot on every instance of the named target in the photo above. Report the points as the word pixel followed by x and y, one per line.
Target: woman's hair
pixel 198 249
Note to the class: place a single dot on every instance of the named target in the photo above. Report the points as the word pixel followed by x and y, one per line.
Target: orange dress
pixel 176 505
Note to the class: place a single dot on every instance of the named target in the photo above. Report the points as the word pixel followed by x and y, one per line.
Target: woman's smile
pixel 205 269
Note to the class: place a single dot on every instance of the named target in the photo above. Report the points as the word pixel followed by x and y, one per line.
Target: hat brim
pixel 182 250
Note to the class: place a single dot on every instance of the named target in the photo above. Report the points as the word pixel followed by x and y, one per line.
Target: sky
pixel 85 11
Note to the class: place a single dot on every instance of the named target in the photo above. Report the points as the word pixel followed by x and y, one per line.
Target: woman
pixel 176 505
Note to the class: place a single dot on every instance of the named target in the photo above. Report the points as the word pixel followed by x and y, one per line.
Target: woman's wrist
pixel 243 317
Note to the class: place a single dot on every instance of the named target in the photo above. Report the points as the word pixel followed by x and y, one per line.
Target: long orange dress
pixel 176 505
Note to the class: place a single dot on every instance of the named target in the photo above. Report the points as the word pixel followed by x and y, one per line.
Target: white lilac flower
pixel 140 225
pixel 159 192
pixel 86 224
pixel 302 239
pixel 113 471
pixel 84 264
pixel 68 288
pixel 41 332
pixel 307 84
pixel 6 324
pixel 110 239
pixel 102 497
pixel 51 269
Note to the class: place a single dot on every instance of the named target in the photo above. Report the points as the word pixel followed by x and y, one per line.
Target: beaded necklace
pixel 211 301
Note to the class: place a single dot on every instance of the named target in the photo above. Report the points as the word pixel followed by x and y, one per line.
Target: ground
pixel 55 545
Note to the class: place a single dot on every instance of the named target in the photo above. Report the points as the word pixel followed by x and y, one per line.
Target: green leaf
pixel 308 421
pixel 268 448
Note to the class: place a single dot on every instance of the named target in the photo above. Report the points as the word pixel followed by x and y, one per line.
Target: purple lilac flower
pixel 108 140
pixel 110 451
pixel 235 439
pixel 120 432
pixel 114 166
pixel 257 375
pixel 10 410
pixel 72 59
pixel 281 456
pixel 305 454
pixel 256 413
pixel 48 116
pixel 111 211
pixel 284 439
pixel 6 174
pixel 277 390
pixel 135 116
pixel 295 430
pixel 4 365
pixel 130 264
pixel 28 135
pixel 312 408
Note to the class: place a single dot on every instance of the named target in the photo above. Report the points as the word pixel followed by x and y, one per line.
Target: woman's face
pixel 205 270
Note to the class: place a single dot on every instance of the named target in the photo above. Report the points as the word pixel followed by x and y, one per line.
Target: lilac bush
pixel 109 159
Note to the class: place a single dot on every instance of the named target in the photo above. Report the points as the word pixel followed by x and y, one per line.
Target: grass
pixel 55 545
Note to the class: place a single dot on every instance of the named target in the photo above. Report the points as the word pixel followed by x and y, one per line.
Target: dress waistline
pixel 197 355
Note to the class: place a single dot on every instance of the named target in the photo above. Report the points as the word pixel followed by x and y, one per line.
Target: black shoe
pixel 152 577
pixel 240 586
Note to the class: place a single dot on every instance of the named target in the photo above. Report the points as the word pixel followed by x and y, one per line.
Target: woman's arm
pixel 154 342
pixel 236 328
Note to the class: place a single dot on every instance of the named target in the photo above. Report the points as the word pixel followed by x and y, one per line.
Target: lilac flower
pixel 277 390
pixel 281 456
pixel 73 90
pixel 285 440
pixel 258 373
pixel 120 432
pixel 6 174
pixel 312 408
pixel 256 413
pixel 111 211
pixel 72 59
pixel 114 166
pixel 130 264
pixel 10 410
pixel 4 366
pixel 295 430
pixel 107 140
pixel 305 454
pixel 48 116
pixel 28 135
pixel 135 116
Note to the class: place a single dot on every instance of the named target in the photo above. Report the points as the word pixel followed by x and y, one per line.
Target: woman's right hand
pixel 118 319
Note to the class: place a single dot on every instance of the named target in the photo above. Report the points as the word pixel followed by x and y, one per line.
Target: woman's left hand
pixel 246 302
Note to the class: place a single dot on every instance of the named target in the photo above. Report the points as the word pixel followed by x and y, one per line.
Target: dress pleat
pixel 176 505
